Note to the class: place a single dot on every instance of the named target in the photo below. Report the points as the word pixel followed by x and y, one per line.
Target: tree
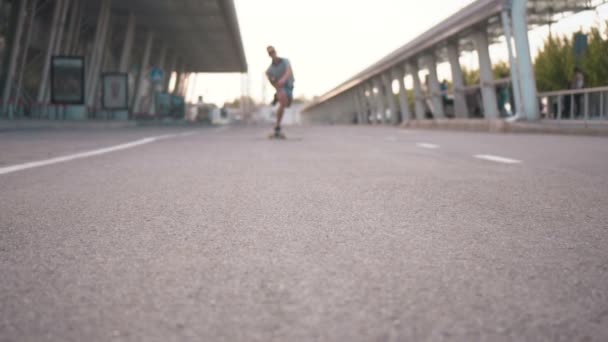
pixel 554 65
pixel 595 61
pixel 499 70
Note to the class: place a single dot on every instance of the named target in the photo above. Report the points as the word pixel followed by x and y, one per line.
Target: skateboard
pixel 274 136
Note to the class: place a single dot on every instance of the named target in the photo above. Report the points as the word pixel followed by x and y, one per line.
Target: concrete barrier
pixel 575 127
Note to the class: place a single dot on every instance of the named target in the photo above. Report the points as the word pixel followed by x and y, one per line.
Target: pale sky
pixel 328 41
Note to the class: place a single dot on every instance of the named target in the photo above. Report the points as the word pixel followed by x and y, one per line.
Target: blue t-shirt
pixel 276 71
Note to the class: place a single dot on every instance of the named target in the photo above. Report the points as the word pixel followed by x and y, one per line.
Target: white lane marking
pixel 427 145
pixel 187 134
pixel 497 159
pixel 63 159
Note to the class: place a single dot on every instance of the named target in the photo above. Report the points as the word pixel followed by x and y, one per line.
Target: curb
pixel 19 125
pixel 502 126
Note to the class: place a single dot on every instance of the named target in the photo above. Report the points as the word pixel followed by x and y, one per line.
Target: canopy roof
pixel 458 27
pixel 204 33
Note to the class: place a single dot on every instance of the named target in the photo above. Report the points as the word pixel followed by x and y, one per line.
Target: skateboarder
pixel 281 77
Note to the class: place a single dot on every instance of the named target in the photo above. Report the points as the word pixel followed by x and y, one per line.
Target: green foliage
pixel 554 65
pixel 500 70
pixel 595 61
pixel 471 77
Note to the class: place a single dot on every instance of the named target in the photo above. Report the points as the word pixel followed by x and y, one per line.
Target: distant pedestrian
pixel 578 83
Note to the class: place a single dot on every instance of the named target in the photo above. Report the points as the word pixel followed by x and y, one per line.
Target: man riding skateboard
pixel 281 77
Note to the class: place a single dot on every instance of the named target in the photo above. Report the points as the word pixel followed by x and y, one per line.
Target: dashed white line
pixel 497 159
pixel 87 154
pixel 427 145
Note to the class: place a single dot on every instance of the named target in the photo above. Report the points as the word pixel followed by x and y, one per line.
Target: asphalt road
pixel 336 234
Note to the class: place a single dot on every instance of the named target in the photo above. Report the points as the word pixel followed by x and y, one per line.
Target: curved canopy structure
pixel 458 28
pixel 205 32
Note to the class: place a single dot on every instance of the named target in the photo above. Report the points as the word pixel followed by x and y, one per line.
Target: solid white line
pixel 427 145
pixel 63 159
pixel 497 159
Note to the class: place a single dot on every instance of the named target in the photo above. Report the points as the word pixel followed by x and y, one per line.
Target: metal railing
pixel 473 98
pixel 574 104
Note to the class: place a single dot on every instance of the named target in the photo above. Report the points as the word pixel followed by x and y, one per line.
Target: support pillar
pixel 74 46
pixel 73 26
pixel 373 104
pixel 44 78
pixel 356 104
pixel 460 102
pixel 364 105
pixel 143 72
pixel 26 45
pixel 127 46
pixel 434 88
pixel 418 96
pixel 98 51
pixel 178 78
pixel 162 57
pixel 387 79
pixel 516 84
pixel 380 101
pixel 403 103
pixel 58 41
pixel 525 68
pixel 169 68
pixel 488 91
pixel 182 84
pixel 12 64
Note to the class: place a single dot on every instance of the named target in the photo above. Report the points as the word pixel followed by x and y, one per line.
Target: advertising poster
pixel 67 80
pixel 115 93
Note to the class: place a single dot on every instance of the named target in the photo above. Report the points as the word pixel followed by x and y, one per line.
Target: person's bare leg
pixel 281 110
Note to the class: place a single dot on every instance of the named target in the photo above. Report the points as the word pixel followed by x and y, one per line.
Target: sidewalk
pixel 15 125
pixel 12 125
pixel 576 127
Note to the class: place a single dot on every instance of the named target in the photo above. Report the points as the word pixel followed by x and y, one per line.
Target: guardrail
pixel 574 104
pixel 473 98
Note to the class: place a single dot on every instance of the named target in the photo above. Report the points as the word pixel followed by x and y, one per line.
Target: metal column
pixel 28 39
pixel 488 91
pixel 373 104
pixel 516 85
pixel 434 88
pixel 418 96
pixel 171 64
pixel 127 46
pixel 58 40
pixel 73 44
pixel 380 101
pixel 364 105
pixel 98 50
pixel 178 78
pixel 399 72
pixel 15 49
pixel 44 78
pixel 525 68
pixel 73 27
pixel 162 57
pixel 143 72
pixel 460 102
pixel 390 97
pixel 356 105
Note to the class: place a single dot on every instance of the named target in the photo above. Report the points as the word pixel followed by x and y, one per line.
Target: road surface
pixel 336 234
